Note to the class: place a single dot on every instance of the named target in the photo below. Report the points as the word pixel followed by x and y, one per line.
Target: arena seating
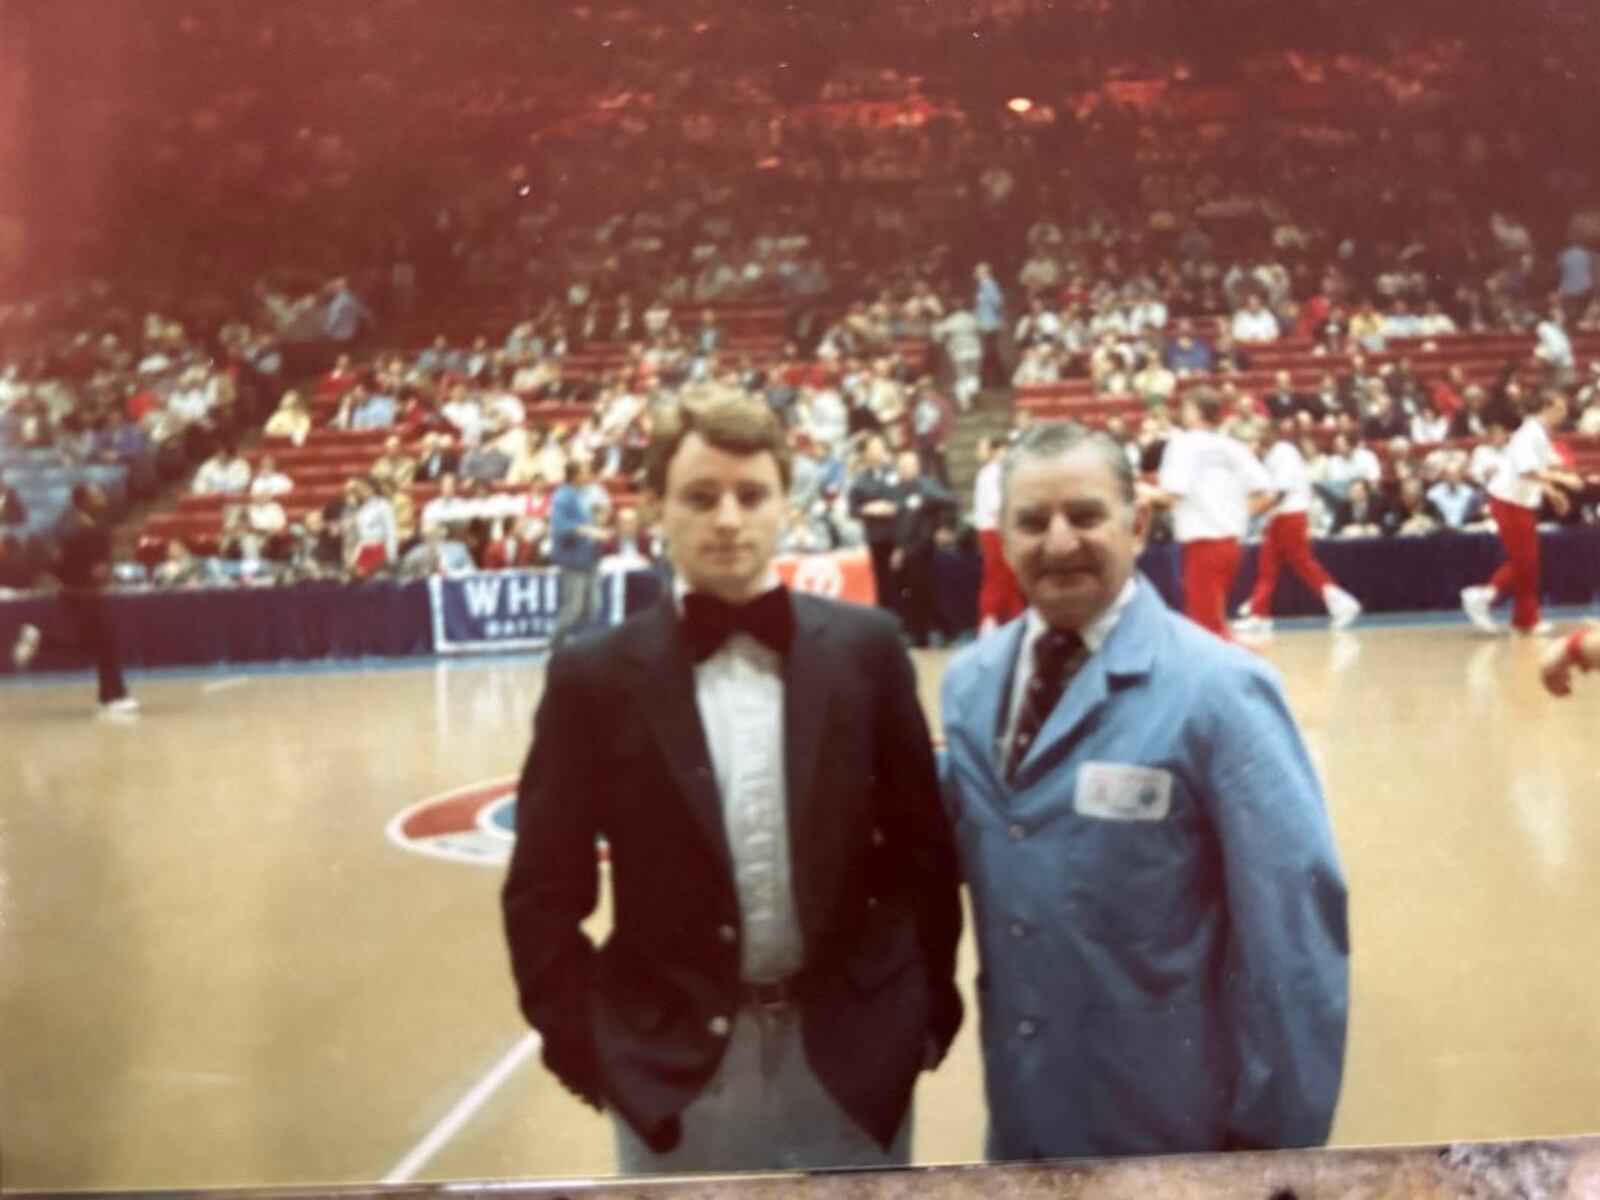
pixel 1481 357
pixel 44 484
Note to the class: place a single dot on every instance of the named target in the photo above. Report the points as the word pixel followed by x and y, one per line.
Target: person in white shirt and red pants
pixel 999 598
pixel 1285 541
pixel 1523 478
pixel 1215 485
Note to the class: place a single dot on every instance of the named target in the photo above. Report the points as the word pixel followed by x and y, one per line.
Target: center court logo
pixel 476 824
pixel 473 824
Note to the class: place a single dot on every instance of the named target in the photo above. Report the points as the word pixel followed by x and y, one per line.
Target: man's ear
pixel 1143 512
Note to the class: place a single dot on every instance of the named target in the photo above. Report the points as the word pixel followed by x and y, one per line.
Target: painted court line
pixel 223 685
pixel 465 1109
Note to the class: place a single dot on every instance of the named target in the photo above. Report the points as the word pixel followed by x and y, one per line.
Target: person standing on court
pixel 1158 904
pixel 83 567
pixel 1525 476
pixel 575 551
pixel 1285 541
pixel 872 502
pixel 998 598
pixel 924 512
pixel 1215 485
pixel 781 960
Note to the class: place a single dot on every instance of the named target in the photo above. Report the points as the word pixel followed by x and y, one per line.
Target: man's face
pixel 722 514
pixel 1069 535
pixel 908 465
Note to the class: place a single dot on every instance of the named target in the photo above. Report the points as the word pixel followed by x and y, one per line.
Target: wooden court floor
pixel 216 968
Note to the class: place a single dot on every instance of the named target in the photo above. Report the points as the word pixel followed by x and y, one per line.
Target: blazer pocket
pixel 645 1013
pixel 625 993
pixel 887 946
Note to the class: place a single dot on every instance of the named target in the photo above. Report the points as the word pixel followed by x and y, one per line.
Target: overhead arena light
pixel 1019 104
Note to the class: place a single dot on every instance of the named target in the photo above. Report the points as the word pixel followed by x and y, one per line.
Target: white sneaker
pixel 119 710
pixel 1343 608
pixel 1244 612
pixel 25 647
pixel 1475 602
pixel 1253 626
pixel 1542 629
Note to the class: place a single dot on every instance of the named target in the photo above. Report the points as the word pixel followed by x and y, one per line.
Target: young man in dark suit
pixel 781 960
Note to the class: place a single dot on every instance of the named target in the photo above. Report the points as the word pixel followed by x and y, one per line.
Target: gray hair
pixel 1054 438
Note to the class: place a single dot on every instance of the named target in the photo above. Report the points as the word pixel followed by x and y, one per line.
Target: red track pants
pixel 1209 565
pixel 1519 574
pixel 999 597
pixel 1285 542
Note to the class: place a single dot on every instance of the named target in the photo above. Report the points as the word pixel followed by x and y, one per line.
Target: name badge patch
pixel 1116 792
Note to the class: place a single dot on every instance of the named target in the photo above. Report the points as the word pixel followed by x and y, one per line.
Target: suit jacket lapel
pixel 1127 654
pixel 806 673
pixel 664 683
pixel 1082 699
pixel 982 722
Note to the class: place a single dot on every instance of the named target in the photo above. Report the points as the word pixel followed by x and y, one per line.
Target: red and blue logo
pixel 474 824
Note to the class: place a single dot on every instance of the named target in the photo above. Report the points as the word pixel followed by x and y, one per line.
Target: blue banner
pixel 508 610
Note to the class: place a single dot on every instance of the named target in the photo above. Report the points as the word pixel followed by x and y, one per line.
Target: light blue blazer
pixel 1159 906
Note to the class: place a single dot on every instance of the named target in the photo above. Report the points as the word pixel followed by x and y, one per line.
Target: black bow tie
pixel 708 621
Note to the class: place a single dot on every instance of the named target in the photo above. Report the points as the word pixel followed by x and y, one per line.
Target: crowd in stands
pixel 128 403
pixel 865 245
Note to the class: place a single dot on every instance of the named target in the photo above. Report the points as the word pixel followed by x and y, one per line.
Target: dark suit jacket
pixel 923 507
pixel 874 484
pixel 618 751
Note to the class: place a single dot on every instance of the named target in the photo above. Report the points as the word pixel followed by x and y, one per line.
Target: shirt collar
pixel 681 588
pixel 1094 634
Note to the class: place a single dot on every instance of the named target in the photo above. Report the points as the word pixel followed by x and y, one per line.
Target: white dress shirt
pixel 740 697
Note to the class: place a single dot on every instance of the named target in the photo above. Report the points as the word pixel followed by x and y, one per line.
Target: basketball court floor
pixel 253 937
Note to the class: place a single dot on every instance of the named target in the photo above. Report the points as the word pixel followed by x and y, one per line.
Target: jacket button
pixel 719 1026
pixel 877 837
pixel 1018 929
pixel 1025 1027
pixel 1016 833
pixel 727 934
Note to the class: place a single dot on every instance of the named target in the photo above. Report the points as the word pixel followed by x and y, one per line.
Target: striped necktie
pixel 1057 655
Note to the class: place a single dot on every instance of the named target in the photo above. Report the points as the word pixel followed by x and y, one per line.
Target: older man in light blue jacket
pixel 1160 911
